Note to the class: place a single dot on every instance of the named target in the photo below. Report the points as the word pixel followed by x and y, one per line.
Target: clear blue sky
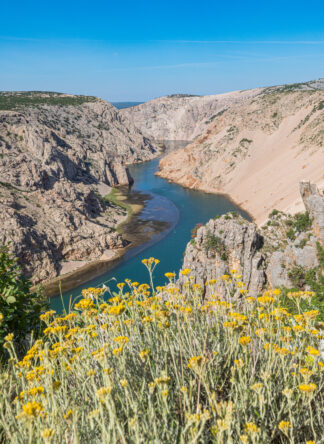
pixel 127 50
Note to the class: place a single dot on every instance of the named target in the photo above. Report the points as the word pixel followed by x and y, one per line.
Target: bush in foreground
pixel 19 307
pixel 166 366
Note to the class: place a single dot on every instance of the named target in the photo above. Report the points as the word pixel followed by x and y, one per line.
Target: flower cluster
pixel 153 364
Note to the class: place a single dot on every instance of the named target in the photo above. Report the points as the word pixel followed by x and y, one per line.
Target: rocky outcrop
pixel 56 153
pixel 229 242
pixel 270 256
pixel 314 204
pixel 257 150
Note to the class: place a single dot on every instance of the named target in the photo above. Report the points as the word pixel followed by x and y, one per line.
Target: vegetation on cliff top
pixel 14 100
pixel 165 365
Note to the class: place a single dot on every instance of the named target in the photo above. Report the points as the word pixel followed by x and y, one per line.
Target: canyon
pixel 60 155
pixel 254 146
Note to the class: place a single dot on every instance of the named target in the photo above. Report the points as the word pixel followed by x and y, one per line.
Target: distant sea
pixel 121 105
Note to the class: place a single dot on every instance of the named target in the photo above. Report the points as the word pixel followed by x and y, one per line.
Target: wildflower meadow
pixel 166 365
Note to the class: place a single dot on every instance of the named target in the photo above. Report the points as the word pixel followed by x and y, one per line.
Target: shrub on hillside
pixel 215 244
pixel 303 222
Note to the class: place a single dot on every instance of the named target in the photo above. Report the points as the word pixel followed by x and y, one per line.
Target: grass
pixel 114 197
pixel 9 101
pixel 164 365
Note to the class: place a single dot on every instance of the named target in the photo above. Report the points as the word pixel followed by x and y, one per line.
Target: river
pixel 175 210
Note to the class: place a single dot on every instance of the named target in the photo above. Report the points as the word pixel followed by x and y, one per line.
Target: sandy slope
pixel 257 152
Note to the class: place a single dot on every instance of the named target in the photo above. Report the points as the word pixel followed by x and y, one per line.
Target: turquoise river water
pixel 177 209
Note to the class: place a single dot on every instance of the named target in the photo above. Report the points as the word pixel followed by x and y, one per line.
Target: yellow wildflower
pixel 185 272
pixel 307 388
pixel 9 337
pixel 238 363
pixel 116 310
pixel 143 354
pixel 244 340
pixel 121 285
pixel 196 363
pixel 47 434
pixel 312 314
pixel 162 380
pixel 103 391
pixel 256 387
pixel 45 316
pixel 84 304
pixel 121 339
pixel 284 426
pixel 266 300
pixel 251 428
pixel 117 351
pixel 68 414
pixel 33 409
pixel 169 275
pixel 306 372
pixel 313 351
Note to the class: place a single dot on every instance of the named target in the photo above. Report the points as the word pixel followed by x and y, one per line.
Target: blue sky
pixel 140 50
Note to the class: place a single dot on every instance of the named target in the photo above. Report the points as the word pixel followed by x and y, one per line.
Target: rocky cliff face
pixel 272 256
pixel 57 153
pixel 257 150
pixel 183 117
pixel 314 204
pixel 223 244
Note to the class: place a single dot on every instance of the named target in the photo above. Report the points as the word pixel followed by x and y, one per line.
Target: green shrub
pixel 297 277
pixel 320 254
pixel 19 308
pixel 302 243
pixel 291 234
pixel 303 222
pixel 15 100
pixel 215 244
pixel 273 213
pixel 313 279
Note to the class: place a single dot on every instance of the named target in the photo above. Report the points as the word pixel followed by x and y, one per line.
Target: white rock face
pixel 185 117
pixel 56 152
pixel 180 117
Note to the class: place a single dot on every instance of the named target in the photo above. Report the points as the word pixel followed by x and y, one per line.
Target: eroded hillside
pixel 183 117
pixel 58 153
pixel 258 150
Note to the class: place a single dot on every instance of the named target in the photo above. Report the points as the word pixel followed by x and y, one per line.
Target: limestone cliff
pixel 277 254
pixel 57 154
pixel 183 117
pixel 257 150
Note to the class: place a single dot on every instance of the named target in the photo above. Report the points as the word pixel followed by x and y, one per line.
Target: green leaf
pixel 11 300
